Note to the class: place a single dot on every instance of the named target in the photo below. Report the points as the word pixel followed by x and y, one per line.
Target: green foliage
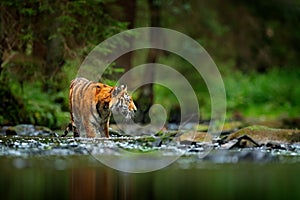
pixel 44 42
pixel 168 100
pixel 254 44
pixel 44 109
pixel 31 105
pixel 11 109
pixel 270 94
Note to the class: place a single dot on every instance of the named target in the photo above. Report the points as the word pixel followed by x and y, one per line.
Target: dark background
pixel 255 45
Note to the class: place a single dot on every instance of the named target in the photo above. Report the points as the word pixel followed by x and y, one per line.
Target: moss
pixel 266 134
pixel 195 137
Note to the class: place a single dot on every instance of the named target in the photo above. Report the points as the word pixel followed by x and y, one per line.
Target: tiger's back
pixel 91 104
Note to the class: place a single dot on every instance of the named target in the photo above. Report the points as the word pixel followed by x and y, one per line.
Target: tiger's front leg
pixel 105 127
pixel 104 114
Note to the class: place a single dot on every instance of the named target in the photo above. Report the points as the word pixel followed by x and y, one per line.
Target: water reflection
pixel 82 177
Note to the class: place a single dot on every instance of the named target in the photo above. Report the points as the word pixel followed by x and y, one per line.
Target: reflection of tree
pixel 83 184
pixel 100 183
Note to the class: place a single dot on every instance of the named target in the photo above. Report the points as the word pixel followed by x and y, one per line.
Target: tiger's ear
pixel 119 90
pixel 123 87
pixel 98 89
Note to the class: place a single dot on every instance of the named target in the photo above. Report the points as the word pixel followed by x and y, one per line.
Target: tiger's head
pixel 121 102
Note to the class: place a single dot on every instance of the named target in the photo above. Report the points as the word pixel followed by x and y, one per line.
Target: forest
pixel 255 45
pixel 255 154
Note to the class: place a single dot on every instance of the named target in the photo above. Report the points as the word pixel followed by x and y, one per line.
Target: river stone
pixel 263 134
pixel 27 130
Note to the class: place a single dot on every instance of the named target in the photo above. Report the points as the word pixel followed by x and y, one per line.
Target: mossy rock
pixel 195 136
pixel 230 126
pixel 264 134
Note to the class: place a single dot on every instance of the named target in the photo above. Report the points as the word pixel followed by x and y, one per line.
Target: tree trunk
pixel 129 10
pixel 54 60
pixel 48 46
pixel 1 39
pixel 146 97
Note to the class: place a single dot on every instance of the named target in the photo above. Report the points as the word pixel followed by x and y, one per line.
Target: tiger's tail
pixel 70 126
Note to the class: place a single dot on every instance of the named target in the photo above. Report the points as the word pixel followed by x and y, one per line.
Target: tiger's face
pixel 121 102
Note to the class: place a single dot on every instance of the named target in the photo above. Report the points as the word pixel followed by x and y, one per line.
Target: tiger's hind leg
pixel 67 130
pixel 75 132
pixel 72 128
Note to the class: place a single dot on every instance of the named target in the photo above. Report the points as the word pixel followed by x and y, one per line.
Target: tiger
pixel 91 104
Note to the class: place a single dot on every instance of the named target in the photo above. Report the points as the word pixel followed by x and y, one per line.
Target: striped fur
pixel 91 104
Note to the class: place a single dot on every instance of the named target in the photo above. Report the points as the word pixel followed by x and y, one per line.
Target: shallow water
pixel 52 168
pixel 83 177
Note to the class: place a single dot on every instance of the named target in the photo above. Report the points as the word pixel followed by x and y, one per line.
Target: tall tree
pixel 36 38
pixel 128 16
pixel 146 96
pixel 1 40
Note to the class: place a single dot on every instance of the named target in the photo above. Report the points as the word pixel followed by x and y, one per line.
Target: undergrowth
pixel 272 94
